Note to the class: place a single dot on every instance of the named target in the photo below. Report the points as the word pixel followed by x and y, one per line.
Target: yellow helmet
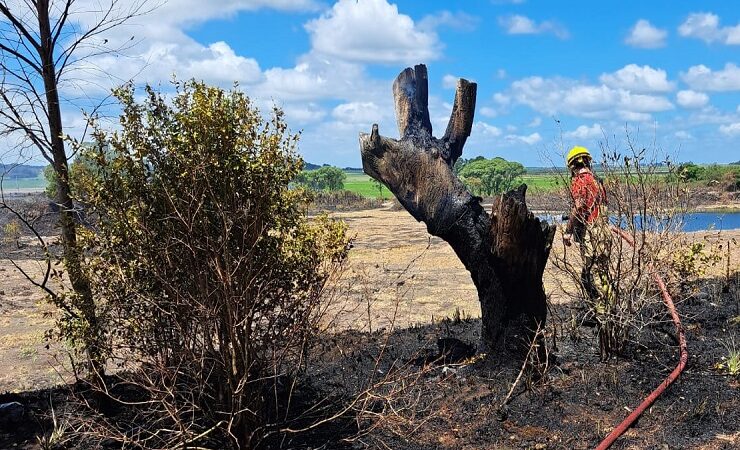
pixel 576 152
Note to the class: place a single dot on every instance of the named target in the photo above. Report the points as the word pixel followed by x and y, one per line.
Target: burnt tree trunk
pixel 505 252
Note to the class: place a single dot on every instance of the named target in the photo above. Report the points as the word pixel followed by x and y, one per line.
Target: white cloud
pixel 537 121
pixel 449 81
pixel 518 24
pixel 487 111
pixel 691 99
pixel 501 74
pixel 683 135
pixel 484 129
pixel 527 139
pixel 586 132
pixel 703 78
pixel 705 26
pixel 459 21
pixel 371 31
pixel 638 79
pixel 316 78
pixel 644 35
pixel 554 96
pixel 303 113
pixel 218 63
pixel 731 130
pixel 363 113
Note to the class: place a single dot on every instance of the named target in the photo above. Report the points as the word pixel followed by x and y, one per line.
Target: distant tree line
pixel 20 171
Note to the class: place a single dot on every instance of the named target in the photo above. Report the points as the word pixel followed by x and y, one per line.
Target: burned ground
pixel 400 293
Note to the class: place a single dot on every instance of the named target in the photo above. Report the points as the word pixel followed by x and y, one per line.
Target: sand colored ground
pixel 396 274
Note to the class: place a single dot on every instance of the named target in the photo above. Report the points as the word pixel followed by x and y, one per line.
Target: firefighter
pixel 588 226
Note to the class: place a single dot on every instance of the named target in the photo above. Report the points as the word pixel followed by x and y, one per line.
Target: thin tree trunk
pixel 72 255
pixel 505 254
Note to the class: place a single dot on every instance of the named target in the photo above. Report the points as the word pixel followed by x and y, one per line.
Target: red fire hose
pixel 684 355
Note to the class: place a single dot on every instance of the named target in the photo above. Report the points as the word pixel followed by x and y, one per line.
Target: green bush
pixel 491 176
pixel 208 270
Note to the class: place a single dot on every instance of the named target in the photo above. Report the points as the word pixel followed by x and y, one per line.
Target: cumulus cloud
pixel 731 130
pixel 518 24
pixel 705 26
pixel 449 81
pixel 683 135
pixel 530 139
pixel 554 96
pixel 691 99
pixel 485 130
pixel 638 79
pixel 644 35
pixel 537 121
pixel 703 78
pixel 586 132
pixel 362 113
pixel 371 31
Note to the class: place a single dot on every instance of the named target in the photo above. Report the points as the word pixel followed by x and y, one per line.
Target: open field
pixel 10 184
pixel 362 184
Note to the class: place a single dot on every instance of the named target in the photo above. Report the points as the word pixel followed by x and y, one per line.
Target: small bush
pixel 209 272
pixel 11 232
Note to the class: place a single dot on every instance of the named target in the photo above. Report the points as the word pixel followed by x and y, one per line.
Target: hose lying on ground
pixel 684 355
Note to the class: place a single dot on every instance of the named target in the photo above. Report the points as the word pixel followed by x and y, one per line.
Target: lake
pixel 694 221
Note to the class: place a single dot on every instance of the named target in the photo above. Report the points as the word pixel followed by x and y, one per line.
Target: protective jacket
pixel 588 197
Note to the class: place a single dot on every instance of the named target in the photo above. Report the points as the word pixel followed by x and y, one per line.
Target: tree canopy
pixel 326 178
pixel 490 176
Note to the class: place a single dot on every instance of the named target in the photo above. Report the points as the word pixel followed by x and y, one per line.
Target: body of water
pixel 694 221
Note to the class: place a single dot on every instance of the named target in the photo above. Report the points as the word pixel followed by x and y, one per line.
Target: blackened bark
pixel 505 254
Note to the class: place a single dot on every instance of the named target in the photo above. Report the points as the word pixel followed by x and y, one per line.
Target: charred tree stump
pixel 505 253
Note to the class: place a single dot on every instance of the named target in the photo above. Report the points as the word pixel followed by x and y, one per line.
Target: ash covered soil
pixel 400 294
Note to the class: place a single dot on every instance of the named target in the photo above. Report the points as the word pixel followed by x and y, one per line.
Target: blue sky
pixel 549 74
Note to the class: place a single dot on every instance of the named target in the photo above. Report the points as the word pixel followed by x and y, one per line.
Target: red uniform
pixel 588 195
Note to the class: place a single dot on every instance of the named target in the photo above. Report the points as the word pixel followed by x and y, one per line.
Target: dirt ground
pixel 400 279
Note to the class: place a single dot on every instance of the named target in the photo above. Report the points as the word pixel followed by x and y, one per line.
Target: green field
pixel 362 184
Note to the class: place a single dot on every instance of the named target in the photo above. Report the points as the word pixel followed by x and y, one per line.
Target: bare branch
pixel 21 28
pixel 461 118
pixel 411 94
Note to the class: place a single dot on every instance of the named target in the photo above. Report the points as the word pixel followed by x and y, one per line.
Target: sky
pixel 550 74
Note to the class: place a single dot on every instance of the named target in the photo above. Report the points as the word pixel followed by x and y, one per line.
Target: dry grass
pixel 396 274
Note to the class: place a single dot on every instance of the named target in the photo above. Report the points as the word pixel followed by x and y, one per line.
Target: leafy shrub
pixel 491 176
pixel 205 263
pixel 694 260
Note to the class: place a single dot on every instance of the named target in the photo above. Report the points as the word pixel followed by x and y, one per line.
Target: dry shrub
pixel 648 202
pixel 205 267
pixel 343 200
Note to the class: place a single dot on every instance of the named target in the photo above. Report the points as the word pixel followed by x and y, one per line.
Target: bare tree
pixel 41 42
pixel 505 252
